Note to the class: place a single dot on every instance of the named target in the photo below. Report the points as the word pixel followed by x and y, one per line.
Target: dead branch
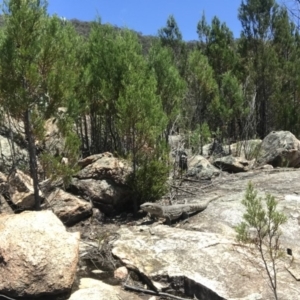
pixel 137 289
pixel 6 297
pixel 183 190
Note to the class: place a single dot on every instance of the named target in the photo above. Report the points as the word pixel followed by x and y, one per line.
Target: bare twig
pixel 183 190
pixel 6 297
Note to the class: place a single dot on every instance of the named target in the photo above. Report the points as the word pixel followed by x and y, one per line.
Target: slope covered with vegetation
pixel 126 93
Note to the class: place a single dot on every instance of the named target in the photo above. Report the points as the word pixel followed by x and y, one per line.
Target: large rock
pixel 106 166
pixel 16 152
pixel 206 150
pixel 203 258
pixel 233 164
pixel 53 142
pixel 102 180
pixel 200 167
pixel 104 194
pixel 210 265
pixel 9 154
pixel 37 256
pixel 21 190
pixel 280 149
pixel 69 208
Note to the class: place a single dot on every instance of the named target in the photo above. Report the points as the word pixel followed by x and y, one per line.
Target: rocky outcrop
pixel 21 190
pixel 233 164
pixel 104 166
pixel 200 167
pixel 104 194
pixel 203 258
pixel 11 153
pixel 37 256
pixel 280 149
pixel 68 208
pixel 54 142
pixel 102 180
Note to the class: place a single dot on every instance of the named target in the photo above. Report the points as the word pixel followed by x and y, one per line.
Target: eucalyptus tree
pixel 37 58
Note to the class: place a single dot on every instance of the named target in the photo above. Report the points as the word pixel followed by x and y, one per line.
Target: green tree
pixel 36 69
pixel 286 45
pixel 171 37
pixel 140 115
pixel 259 58
pixel 232 105
pixel 217 43
pixel 125 107
pixel 170 86
pixel 262 216
pixel 203 98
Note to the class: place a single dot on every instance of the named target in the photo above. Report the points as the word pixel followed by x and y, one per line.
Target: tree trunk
pixel 32 158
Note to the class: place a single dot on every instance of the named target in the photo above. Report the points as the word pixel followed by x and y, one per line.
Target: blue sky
pixel 147 16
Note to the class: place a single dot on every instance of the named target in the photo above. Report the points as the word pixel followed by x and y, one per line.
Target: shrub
pixel 265 220
pixel 149 181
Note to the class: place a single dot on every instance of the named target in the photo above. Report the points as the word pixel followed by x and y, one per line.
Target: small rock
pixel 121 273
pixel 97 272
pixel 159 285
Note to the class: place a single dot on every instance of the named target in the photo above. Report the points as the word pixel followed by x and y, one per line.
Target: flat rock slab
pixel 92 289
pixel 37 255
pixel 213 267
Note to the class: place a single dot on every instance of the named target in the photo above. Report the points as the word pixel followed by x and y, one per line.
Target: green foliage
pixel 53 165
pixel 171 32
pixel 149 183
pixel 260 60
pixel 171 38
pixel 170 86
pixel 218 45
pixel 36 69
pixel 262 216
pixel 54 169
pixel 252 149
pixel 204 96
pixel 200 136
pixel 266 221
